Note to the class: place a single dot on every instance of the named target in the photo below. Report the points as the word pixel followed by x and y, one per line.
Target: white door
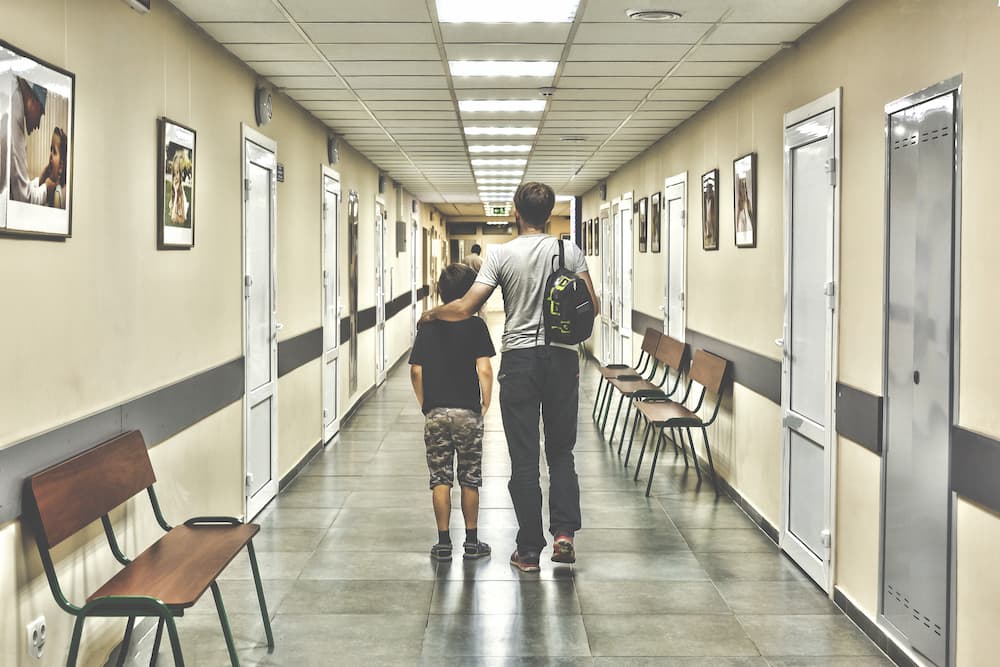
pixel 260 332
pixel 607 284
pixel 674 214
pixel 331 303
pixel 808 341
pixel 380 290
pixel 623 287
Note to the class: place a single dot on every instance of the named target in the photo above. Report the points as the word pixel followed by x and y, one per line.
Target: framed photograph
pixel 597 236
pixel 710 210
pixel 583 237
pixel 745 200
pixel 655 213
pixel 643 210
pixel 176 190
pixel 36 146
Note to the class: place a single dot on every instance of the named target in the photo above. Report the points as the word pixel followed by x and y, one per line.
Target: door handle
pixel 780 342
pixel 660 308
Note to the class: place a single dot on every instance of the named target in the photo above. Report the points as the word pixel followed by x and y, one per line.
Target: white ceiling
pixel 376 72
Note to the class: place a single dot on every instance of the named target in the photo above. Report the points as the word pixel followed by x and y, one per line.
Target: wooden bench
pixel 649 342
pixel 710 373
pixel 165 579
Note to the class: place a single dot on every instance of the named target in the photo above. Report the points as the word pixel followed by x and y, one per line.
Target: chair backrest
pixel 80 490
pixel 650 340
pixel 671 352
pixel 709 370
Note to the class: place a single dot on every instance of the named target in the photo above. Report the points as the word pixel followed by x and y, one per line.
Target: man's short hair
pixel 476 249
pixel 534 203
pixel 455 281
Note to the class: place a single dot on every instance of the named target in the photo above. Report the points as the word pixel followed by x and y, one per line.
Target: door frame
pixel 380 292
pixel 270 490
pixel 415 256
pixel 334 427
pixel 952 85
pixel 604 223
pixel 788 542
pixel 626 265
pixel 673 181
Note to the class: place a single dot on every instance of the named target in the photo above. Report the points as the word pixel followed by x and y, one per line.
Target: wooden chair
pixel 710 373
pixel 165 579
pixel 669 354
pixel 649 342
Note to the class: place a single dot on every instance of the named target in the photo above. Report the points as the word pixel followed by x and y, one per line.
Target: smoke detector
pixel 547 91
pixel 656 15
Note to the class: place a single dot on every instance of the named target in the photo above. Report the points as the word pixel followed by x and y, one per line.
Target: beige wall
pixel 877 51
pixel 105 317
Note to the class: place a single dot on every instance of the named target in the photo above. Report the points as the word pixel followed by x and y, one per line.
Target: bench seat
pixel 181 565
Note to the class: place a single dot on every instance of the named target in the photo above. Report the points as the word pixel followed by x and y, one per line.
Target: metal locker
pixel 921 225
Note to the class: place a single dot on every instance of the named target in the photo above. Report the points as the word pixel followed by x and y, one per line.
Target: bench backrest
pixel 650 340
pixel 709 370
pixel 670 352
pixel 80 490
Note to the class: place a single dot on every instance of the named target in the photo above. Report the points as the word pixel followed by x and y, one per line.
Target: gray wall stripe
pixel 300 350
pixel 859 417
pixel 159 414
pixel 975 461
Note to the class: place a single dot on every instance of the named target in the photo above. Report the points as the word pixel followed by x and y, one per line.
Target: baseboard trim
pixel 303 462
pixel 769 529
pixel 868 626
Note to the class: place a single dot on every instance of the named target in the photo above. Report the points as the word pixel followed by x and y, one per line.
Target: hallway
pixel 681 574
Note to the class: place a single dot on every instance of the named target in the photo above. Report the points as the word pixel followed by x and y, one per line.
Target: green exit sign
pixel 499 210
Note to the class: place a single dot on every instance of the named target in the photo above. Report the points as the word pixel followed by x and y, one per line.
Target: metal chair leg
pixel 597 398
pixel 642 451
pixel 635 427
pixel 156 643
pixel 260 596
pixel 227 632
pixel 605 406
pixel 74 644
pixel 126 641
pixel 682 448
pixel 652 467
pixel 614 425
pixel 628 411
pixel 708 453
pixel 175 641
pixel 694 454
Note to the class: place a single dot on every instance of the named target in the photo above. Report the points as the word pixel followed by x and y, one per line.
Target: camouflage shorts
pixel 451 431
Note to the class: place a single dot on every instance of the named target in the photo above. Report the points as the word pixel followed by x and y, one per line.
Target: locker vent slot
pixel 919 138
pixel 903 601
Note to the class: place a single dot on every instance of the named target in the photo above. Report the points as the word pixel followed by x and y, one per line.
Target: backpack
pixel 567 311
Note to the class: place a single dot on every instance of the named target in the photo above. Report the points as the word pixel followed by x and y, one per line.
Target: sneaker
pixel 563 550
pixel 476 550
pixel 441 552
pixel 525 562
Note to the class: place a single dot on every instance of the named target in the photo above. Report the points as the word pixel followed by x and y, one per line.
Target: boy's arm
pixel 484 368
pixel 417 380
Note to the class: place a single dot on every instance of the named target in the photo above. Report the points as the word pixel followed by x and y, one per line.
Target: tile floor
pixel 680 578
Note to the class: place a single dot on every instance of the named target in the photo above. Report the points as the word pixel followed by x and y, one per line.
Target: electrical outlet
pixel 36 637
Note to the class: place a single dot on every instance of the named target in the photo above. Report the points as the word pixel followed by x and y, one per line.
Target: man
pixel 533 376
pixel 474 260
pixel 27 108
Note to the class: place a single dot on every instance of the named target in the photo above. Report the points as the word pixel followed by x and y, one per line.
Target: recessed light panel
pixel 502 68
pixel 499 181
pixel 501 162
pixel 502 131
pixel 508 11
pixel 500 148
pixel 501 105
pixel 499 172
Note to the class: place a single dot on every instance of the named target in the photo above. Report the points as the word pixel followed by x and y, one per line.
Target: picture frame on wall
pixel 37 136
pixel 642 207
pixel 710 210
pixel 655 214
pixel 745 200
pixel 583 237
pixel 176 186
pixel 597 236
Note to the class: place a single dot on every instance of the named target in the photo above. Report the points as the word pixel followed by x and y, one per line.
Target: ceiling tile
pixel 619 68
pixel 229 10
pixel 627 52
pixel 587 82
pixel 390 67
pixel 356 10
pixel 700 82
pixel 737 68
pixel 268 52
pixel 300 82
pixel 757 33
pixel 490 51
pixel 721 52
pixel 396 82
pixel 365 33
pixel 401 94
pixel 631 94
pixel 380 51
pixel 252 33
pixel 303 94
pixel 290 68
pixel 640 33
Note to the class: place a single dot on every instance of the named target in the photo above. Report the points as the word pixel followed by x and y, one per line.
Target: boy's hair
pixel 534 203
pixel 476 249
pixel 455 281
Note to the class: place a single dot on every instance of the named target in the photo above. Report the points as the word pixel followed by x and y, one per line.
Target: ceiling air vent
pixel 658 15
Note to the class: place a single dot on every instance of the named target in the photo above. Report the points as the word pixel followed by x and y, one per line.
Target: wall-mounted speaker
pixel 381 184
pixel 604 191
pixel 262 105
pixel 332 149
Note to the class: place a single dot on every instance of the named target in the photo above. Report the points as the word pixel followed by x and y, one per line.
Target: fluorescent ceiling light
pixel 501 105
pixel 564 197
pixel 502 131
pixel 543 68
pixel 500 148
pixel 501 162
pixel 507 11
pixel 499 181
pixel 499 172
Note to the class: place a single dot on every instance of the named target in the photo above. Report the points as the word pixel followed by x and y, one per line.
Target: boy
pixel 453 380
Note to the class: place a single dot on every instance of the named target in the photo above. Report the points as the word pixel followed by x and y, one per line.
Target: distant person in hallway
pixel 452 378
pixel 474 259
pixel 533 376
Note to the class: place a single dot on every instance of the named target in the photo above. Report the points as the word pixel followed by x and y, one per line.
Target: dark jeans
pixel 547 379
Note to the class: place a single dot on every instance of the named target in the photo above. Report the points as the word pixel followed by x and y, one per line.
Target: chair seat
pixel 630 386
pixel 611 372
pixel 667 413
pixel 181 565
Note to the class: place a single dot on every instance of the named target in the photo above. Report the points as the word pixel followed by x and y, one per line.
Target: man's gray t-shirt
pixel 520 267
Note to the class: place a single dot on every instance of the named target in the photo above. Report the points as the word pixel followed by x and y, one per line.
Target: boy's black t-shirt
pixel 447 351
